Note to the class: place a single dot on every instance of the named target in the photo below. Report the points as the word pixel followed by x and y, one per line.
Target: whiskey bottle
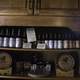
pixel 6 37
pixel 12 38
pixel 18 38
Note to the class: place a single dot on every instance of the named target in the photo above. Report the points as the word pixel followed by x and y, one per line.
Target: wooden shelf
pixel 26 49
pixel 29 78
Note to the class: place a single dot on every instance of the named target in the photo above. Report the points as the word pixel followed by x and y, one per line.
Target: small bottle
pixel 77 42
pixel 55 41
pixel 46 39
pixel 1 37
pixel 50 42
pixel 12 38
pixel 59 41
pixel 18 38
pixel 6 38
pixel 65 41
pixel 73 40
pixel 70 41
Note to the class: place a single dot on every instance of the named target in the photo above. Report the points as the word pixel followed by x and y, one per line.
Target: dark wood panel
pixel 48 4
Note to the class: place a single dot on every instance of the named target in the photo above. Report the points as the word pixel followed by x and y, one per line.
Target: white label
pixel 65 44
pixel 50 44
pixel 27 45
pixel 6 42
pixel 59 44
pixel 31 35
pixel 12 42
pixel 55 44
pixel 41 46
pixel 77 44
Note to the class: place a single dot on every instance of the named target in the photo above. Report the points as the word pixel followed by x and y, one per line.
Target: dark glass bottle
pixel 70 42
pixel 55 41
pixel 12 38
pixel 6 37
pixel 1 37
pixel 77 41
pixel 65 40
pixel 50 42
pixel 46 39
pixel 59 40
pixel 18 38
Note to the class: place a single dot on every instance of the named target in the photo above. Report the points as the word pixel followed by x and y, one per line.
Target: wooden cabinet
pixel 55 7
pixel 16 7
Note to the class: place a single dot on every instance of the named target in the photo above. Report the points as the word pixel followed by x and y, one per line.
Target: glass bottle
pixel 18 38
pixel 12 38
pixel 55 41
pixel 50 42
pixel 65 40
pixel 6 37
pixel 59 41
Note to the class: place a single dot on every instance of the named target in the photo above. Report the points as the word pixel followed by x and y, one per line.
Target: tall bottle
pixel 50 42
pixel 70 42
pixel 12 38
pixel 1 37
pixel 46 39
pixel 65 40
pixel 18 38
pixel 77 41
pixel 55 41
pixel 59 41
pixel 6 37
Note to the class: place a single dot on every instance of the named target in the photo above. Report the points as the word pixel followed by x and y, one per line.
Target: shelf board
pixel 29 78
pixel 26 49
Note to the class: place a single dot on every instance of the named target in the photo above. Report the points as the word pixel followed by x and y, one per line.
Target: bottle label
pixel 55 44
pixel 59 44
pixel 41 46
pixel 65 44
pixel 12 42
pixel 18 42
pixel 27 45
pixel 70 44
pixel 6 42
pixel 50 44
pixel 77 44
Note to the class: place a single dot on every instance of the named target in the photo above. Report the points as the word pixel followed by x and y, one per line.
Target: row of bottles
pixel 59 39
pixel 49 38
pixel 10 37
